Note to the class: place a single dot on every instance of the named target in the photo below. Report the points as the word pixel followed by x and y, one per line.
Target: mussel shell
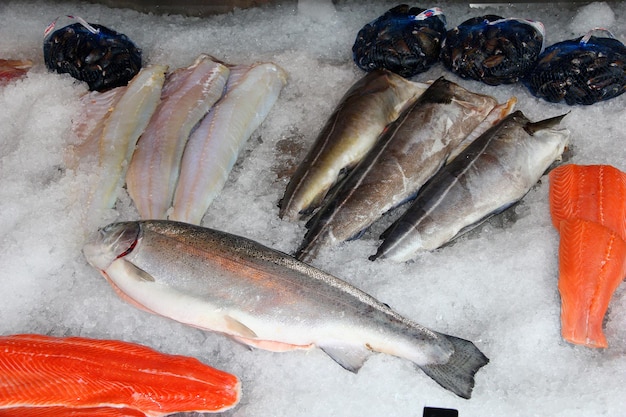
pixel 399 43
pixel 494 53
pixel 580 73
pixel 103 60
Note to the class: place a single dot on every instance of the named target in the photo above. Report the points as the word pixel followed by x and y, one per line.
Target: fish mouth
pixel 111 242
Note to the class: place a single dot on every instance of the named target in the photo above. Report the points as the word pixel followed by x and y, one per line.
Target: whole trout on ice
pixel 408 152
pixel 489 176
pixel 267 299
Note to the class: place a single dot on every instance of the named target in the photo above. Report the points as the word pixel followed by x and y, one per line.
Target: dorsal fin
pixel 531 128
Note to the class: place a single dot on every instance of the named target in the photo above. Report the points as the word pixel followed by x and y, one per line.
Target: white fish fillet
pixel 127 118
pixel 187 96
pixel 212 148
pixel 88 127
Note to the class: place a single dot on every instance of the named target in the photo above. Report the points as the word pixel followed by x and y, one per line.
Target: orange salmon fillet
pixel 592 264
pixel 591 192
pixel 75 372
pixel 70 412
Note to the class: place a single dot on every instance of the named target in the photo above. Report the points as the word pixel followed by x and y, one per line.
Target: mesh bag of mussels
pixel 101 57
pixel 584 70
pixel 493 49
pixel 405 40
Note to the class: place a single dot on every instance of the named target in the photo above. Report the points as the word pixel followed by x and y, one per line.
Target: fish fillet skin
pixel 592 264
pixel 363 112
pixel 264 298
pixel 213 147
pixel 121 130
pixel 76 372
pixel 406 155
pixel 187 96
pixel 70 412
pixel 590 192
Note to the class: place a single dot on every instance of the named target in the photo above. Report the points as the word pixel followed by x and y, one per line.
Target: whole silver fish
pixel 410 150
pixel 368 106
pixel 267 299
pixel 490 175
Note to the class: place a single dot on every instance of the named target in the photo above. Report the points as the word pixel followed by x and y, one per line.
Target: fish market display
pixel 408 153
pixel 350 132
pixel 100 56
pixel 588 208
pixel 493 173
pixel 11 69
pixel 264 298
pixel 405 40
pixel 187 96
pixel 213 147
pixel 71 374
pixel 114 135
pixel 493 49
pixel 584 70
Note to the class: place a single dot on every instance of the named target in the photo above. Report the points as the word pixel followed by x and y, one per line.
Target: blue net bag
pixel 584 70
pixel 405 40
pixel 493 49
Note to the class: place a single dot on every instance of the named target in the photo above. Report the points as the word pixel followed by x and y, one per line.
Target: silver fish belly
pixel 267 299
pixel 408 153
pixel 368 106
pixel 490 175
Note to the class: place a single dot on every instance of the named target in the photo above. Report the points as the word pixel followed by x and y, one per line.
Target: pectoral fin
pixel 134 271
pixel 238 329
pixel 351 358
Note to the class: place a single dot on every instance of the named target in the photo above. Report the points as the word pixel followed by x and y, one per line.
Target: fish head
pixel 112 242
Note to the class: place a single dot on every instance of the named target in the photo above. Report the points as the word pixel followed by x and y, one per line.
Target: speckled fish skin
pixel 407 154
pixel 188 94
pixel 213 147
pixel 492 174
pixel 264 298
pixel 368 106
pixel 121 130
pixel 78 373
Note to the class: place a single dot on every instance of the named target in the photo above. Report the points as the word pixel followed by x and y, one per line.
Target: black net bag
pixel 405 40
pixel 101 57
pixel 584 70
pixel 493 49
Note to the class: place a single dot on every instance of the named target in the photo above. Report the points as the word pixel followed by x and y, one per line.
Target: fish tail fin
pixel 457 374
